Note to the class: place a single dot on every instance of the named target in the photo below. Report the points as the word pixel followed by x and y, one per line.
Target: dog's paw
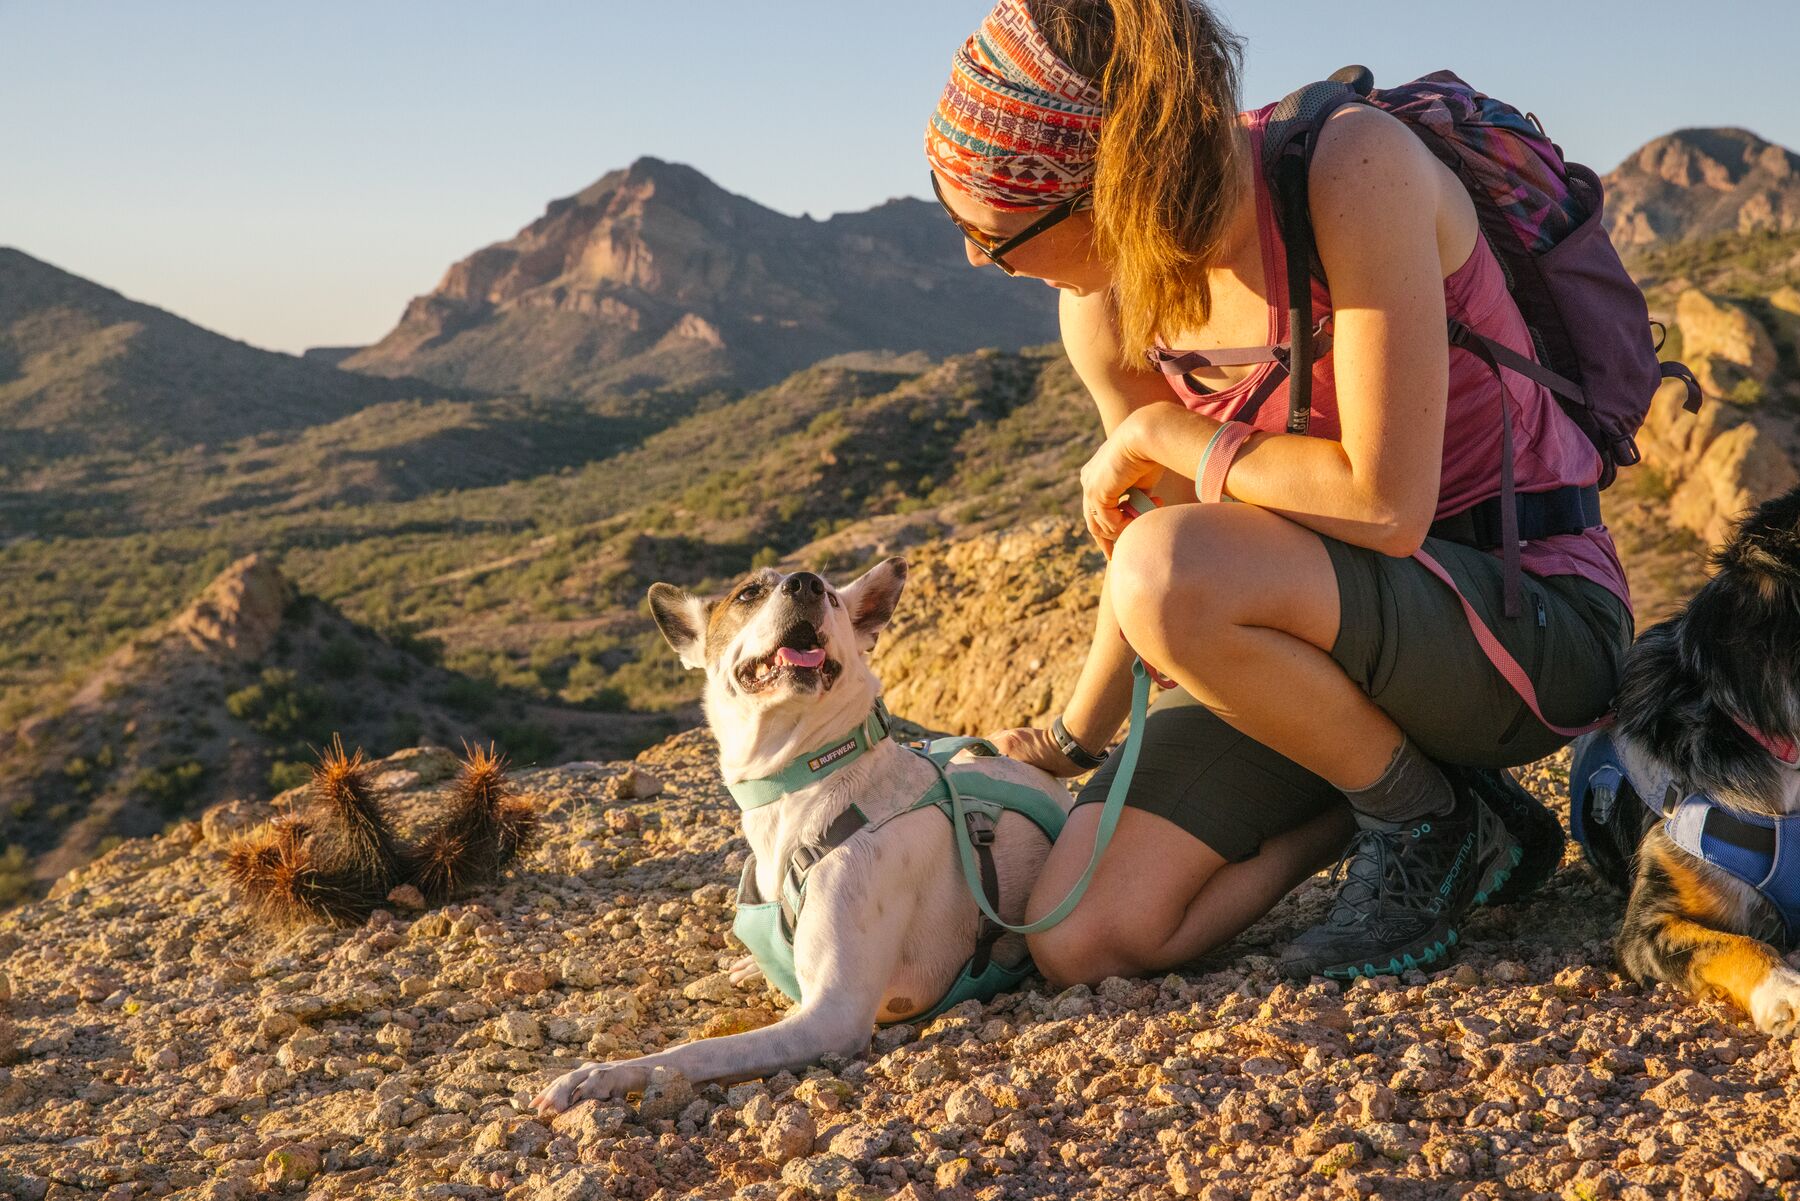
pixel 590 1082
pixel 1775 1003
pixel 745 970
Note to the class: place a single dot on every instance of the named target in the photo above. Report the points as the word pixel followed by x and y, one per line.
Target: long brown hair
pixel 1169 165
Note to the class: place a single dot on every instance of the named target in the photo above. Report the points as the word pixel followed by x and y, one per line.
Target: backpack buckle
pixel 981 828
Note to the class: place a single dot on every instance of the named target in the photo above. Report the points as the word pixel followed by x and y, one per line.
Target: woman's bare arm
pixel 1376 198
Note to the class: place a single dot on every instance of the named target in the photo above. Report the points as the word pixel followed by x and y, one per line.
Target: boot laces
pixel 1375 875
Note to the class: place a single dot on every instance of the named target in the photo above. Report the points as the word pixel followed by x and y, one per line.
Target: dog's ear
pixel 682 619
pixel 871 600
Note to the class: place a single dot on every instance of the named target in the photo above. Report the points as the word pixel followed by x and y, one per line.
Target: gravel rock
pixel 517 1029
pixel 789 1134
pixel 821 1175
pixel 162 1045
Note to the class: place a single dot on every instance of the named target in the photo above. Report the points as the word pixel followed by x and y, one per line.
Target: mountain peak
pixel 1700 182
pixel 655 275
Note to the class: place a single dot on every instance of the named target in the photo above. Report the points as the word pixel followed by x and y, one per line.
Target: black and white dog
pixel 1692 799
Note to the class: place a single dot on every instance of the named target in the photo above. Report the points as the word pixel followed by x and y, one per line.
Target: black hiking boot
pixel 1537 830
pixel 1405 893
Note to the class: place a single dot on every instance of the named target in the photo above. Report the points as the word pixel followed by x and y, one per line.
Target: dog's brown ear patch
pixel 681 617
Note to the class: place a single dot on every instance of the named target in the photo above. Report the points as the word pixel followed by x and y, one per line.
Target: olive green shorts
pixel 1404 639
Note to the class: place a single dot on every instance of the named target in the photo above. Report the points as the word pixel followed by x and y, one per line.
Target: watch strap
pixel 1079 755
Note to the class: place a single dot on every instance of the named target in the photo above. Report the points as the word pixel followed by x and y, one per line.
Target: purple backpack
pixel 1542 217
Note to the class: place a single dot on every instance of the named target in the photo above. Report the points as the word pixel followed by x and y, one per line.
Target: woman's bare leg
pixel 1160 896
pixel 1240 606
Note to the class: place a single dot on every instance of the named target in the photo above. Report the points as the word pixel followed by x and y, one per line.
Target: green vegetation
pixel 1744 265
pixel 279 706
pixel 533 585
pixel 171 786
pixel 15 875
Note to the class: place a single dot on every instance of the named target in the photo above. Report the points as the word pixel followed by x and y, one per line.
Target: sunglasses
pixel 996 251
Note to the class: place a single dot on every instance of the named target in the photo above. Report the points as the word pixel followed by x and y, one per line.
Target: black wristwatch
pixel 1079 755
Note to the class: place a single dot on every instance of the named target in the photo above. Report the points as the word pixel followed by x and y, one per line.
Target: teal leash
pixel 1109 818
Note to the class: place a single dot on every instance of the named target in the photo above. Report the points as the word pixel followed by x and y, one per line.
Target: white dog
pixel 831 804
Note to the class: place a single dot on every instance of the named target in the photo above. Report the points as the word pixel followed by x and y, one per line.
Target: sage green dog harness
pixel 973 804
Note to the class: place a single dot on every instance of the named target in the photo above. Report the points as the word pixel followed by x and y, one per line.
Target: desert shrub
pixel 15 875
pixel 404 729
pixel 468 695
pixel 526 741
pixel 171 786
pixel 281 707
pixel 1747 392
pixel 285 774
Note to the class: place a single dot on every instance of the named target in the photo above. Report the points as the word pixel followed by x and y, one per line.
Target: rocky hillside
pixel 1697 183
pixel 157 1045
pixel 654 274
pixel 229 698
pixel 83 369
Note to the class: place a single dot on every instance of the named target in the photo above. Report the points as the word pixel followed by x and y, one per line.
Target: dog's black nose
pixel 803 583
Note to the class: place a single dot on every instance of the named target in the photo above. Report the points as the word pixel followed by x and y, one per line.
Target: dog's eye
pixel 749 593
pixel 832 597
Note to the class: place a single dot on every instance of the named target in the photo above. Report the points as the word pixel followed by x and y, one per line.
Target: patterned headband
pixel 1016 126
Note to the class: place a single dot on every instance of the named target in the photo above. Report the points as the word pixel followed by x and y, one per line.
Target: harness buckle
pixel 981 828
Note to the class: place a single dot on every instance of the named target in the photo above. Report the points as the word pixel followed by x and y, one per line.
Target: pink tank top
pixel 1549 449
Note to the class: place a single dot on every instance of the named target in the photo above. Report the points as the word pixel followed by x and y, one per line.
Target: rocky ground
pixel 156 1044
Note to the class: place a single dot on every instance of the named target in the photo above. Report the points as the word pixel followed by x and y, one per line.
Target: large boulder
pixel 1725 346
pixel 1740 468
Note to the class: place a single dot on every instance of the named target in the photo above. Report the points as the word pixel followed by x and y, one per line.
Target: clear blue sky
pixel 292 174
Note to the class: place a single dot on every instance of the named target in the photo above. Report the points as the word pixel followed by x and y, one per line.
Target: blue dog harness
pixel 1762 851
pixel 972 802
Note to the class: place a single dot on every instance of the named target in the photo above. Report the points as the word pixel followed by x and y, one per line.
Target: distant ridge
pixel 655 275
pixel 84 369
pixel 1696 183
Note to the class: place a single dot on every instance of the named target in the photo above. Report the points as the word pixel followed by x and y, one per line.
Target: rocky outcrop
pixel 654 274
pixel 1724 344
pixel 1694 183
pixel 1717 463
pixel 155 1042
pixel 992 630
pixel 239 614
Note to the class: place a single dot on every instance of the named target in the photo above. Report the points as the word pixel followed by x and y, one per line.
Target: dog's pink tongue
pixel 794 658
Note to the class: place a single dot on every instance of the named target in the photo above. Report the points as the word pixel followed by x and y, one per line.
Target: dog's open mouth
pixel 798 660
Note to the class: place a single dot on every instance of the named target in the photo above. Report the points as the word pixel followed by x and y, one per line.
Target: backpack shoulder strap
pixel 1287 149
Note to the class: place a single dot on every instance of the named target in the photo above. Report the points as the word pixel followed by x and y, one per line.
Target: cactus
pixel 485 828
pixel 288 882
pixel 343 858
pixel 361 838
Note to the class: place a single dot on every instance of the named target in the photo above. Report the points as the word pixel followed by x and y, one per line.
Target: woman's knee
pixel 1088 948
pixel 1152 584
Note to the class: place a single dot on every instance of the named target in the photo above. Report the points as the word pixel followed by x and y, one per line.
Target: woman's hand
pixel 1120 465
pixel 1030 745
